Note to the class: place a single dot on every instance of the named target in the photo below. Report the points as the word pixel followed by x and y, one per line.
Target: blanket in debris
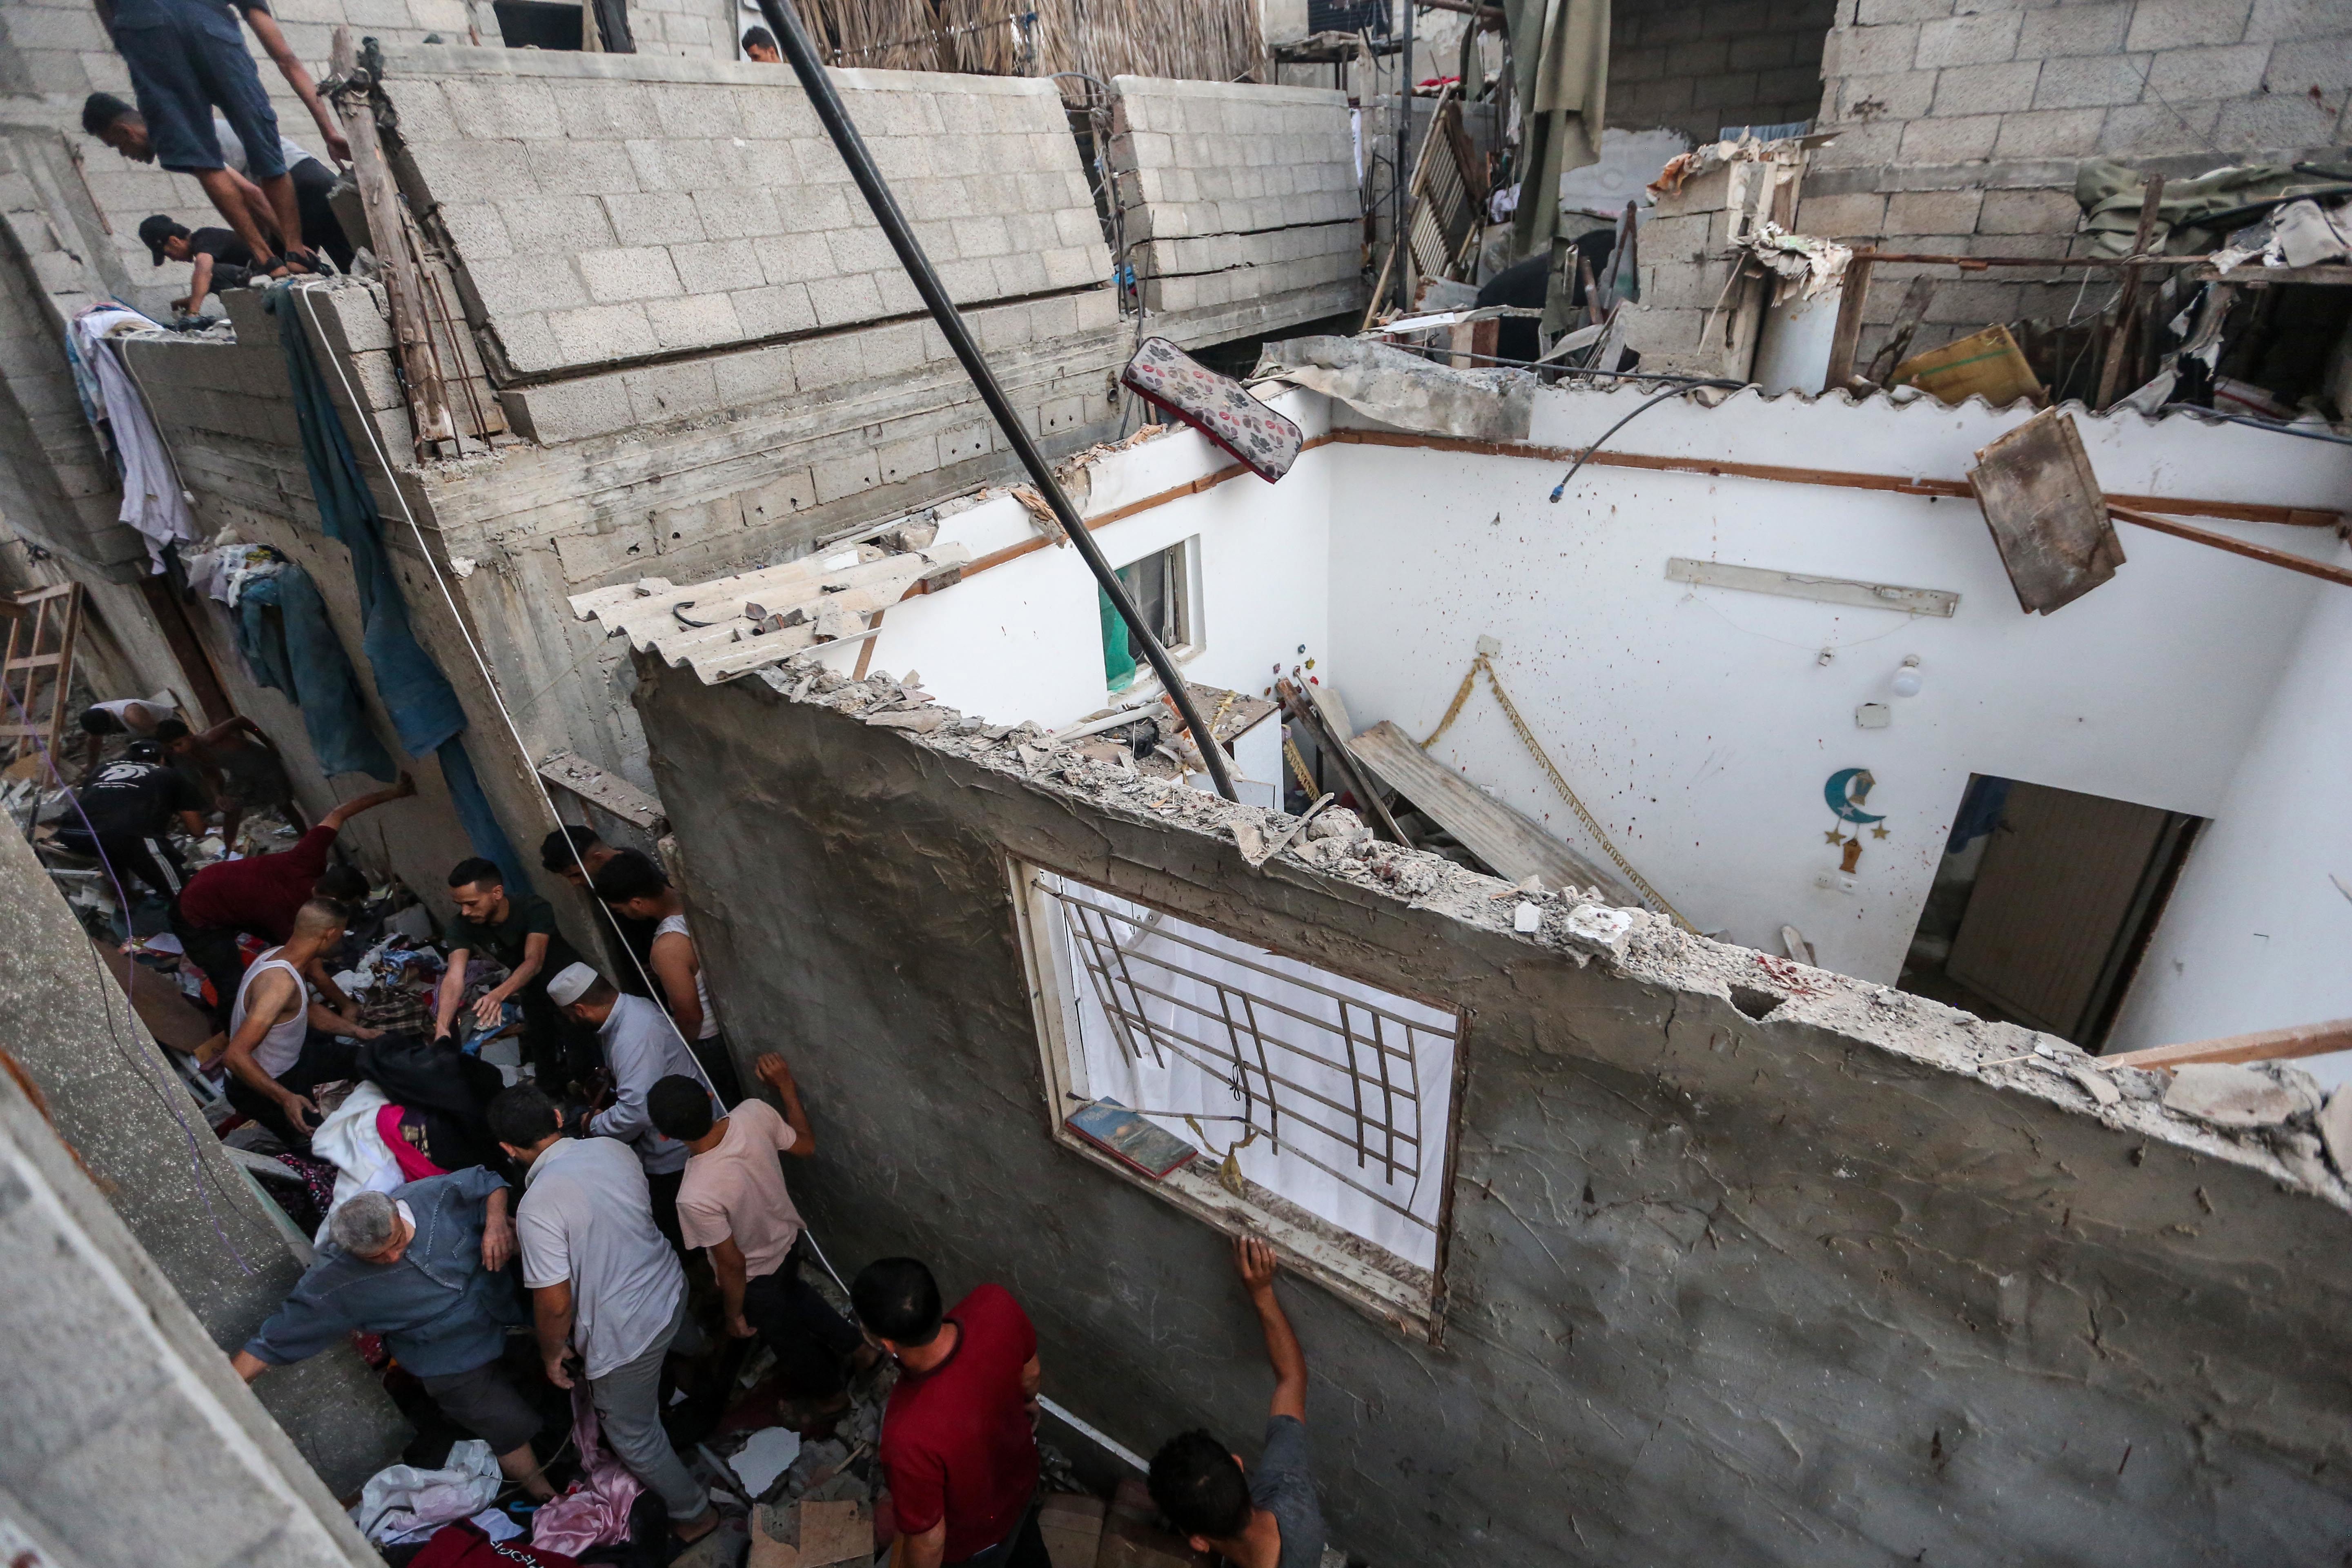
pixel 1216 405
pixel 1402 389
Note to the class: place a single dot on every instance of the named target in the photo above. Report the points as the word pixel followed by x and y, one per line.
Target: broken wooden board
pixel 2049 520
pixel 1802 585
pixel 1514 846
pixel 1986 364
pixel 571 771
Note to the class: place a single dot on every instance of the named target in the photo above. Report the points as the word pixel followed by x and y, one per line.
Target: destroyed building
pixel 1674 1077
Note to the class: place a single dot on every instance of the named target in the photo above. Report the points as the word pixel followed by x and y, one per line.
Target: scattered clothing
pixel 476 1544
pixel 586 1219
pixel 643 1047
pixel 1282 1485
pixel 444 1098
pixel 551 1042
pixel 393 1125
pixel 627 1399
pixel 290 646
pixel 956 1441
pixel 438 1310
pixel 348 1138
pixel 153 502
pixel 398 1500
pixel 594 1510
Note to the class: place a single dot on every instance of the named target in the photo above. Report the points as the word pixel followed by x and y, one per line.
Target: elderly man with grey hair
pixel 423 1266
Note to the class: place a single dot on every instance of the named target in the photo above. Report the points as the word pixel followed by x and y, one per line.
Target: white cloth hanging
pixel 153 500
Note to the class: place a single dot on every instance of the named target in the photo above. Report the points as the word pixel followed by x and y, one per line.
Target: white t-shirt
pixel 675 925
pixel 587 1219
pixel 233 150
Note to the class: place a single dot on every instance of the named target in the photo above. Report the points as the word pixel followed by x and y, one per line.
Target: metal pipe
pixel 1403 153
pixel 785 22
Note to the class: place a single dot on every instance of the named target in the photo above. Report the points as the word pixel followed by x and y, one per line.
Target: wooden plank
pixel 1854 291
pixel 2041 500
pixel 412 333
pixel 1822 590
pixel 2264 1045
pixel 1334 744
pixel 2127 302
pixel 1514 846
pixel 2257 274
pixel 614 794
pixel 2288 559
pixel 1836 478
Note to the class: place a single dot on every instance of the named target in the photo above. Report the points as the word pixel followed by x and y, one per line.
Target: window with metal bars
pixel 1316 1100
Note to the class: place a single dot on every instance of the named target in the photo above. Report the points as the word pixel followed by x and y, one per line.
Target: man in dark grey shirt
pixel 1265 1519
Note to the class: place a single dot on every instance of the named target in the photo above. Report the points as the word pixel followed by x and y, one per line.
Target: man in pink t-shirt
pixel 731 1200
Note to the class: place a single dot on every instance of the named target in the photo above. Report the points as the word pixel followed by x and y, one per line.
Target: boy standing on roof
pixel 188 58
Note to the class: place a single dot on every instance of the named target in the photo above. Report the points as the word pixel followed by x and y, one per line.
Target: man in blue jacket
pixel 423 1266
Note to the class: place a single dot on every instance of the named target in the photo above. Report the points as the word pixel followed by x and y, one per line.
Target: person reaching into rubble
pixel 1268 1519
pixel 519 934
pixel 282 1044
pixel 732 1200
pixel 260 894
pixel 632 887
pixel 125 818
pixel 136 716
pixel 642 1048
pixel 124 129
pixel 237 763
pixel 608 1295
pixel 426 1266
pixel 217 258
pixel 576 855
pixel 959 1434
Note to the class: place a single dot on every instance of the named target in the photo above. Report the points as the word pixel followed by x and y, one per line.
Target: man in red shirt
pixel 261 893
pixel 958 1437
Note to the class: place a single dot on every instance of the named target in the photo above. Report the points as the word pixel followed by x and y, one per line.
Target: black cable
pixel 1581 458
pixel 2214 414
pixel 785 22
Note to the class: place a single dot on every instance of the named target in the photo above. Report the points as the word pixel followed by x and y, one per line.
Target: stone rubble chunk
pixel 2230 1094
pixel 2335 1129
pixel 1602 927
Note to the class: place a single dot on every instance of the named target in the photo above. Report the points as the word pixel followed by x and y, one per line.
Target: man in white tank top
pixel 631 885
pixel 274 1057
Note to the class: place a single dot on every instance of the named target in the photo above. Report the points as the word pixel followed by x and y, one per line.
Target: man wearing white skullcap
pixel 642 1046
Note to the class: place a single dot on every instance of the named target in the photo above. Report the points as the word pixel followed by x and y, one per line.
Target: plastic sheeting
pixel 401 1498
pixel 1400 388
pixel 1187 981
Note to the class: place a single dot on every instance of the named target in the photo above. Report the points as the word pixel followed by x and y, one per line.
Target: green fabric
pixel 1559 58
pixel 2194 215
pixel 1118 664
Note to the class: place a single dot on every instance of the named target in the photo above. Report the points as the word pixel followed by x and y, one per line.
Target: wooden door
pixel 2064 885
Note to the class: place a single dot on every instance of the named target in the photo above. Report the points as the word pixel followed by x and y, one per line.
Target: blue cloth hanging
pixel 283 631
pixel 423 707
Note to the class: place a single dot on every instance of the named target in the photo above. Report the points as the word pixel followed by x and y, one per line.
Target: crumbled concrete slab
pixel 2232 1094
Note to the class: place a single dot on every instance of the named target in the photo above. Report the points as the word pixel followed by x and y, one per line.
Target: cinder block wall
pixel 1961 126
pixel 1236 196
pixel 1701 66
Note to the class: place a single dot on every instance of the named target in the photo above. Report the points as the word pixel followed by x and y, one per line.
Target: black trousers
pixel 322 229
pixel 324 1060
pixel 811 1341
pixel 214 950
pixel 133 858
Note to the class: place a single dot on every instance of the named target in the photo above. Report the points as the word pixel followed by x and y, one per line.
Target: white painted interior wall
pixel 1024 640
pixel 1699 724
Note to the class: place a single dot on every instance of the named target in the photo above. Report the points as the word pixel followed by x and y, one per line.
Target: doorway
pixel 2043 905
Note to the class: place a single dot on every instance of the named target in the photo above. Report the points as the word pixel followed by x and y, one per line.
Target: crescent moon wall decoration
pixel 1846 790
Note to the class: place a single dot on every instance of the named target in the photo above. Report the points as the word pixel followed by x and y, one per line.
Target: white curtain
pixel 1197 1002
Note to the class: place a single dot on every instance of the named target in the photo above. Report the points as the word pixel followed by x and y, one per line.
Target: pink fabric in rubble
pixel 594 1510
pixel 414 1166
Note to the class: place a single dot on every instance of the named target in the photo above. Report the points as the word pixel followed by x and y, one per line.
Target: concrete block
pixel 2049 133
pixel 1932 212
pixel 652 217
pixel 2299 66
pixel 754 376
pixel 523 285
pixel 965 442
pixel 2279 122
pixel 1878 50
pixel 2027 212
pixel 587 557
pixel 718 266
pixel 844 477
pixel 777 500
pixel 488 107
pixel 2234 70
pixel 839 300
pixel 636 272
pixel 737 214
pixel 2182 23
pixel 1969 39
pixel 578 168
pixel 1931 141
pixel 2091 82
pixel 1986 89
pixel 2289 19
pixel 774 310
pixel 477 166
pixel 697 321
pixel 547 228
pixel 603 332
pixel 697 111
pixel 2143 129
pixel 898 460
pixel 796 258
pixel 2073 30
pixel 476 230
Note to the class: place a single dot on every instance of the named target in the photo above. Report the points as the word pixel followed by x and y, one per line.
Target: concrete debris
pixel 1339 822
pixel 2097 1085
pixel 2300 1153
pixel 2334 1124
pixel 1527 918
pixel 1601 926
pixel 1405 390
pixel 2237 1095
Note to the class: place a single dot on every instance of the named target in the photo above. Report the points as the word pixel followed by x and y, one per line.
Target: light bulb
pixel 1907 680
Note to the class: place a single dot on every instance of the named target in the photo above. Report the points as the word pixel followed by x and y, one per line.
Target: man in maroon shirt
pixel 958 1437
pixel 261 893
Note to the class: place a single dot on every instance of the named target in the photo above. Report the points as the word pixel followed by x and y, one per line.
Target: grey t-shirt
pixel 1281 1485
pixel 587 1219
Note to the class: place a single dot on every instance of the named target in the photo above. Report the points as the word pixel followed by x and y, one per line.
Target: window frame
pixel 1183 585
pixel 1308 1245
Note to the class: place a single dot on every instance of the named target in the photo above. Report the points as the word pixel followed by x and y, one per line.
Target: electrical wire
pixel 137 1064
pixel 1648 403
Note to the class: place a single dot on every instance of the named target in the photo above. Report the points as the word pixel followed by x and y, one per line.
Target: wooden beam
pixel 1845 337
pixel 2128 303
pixel 1716 467
pixel 429 402
pixel 1979 263
pixel 2263 553
pixel 2267 1046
